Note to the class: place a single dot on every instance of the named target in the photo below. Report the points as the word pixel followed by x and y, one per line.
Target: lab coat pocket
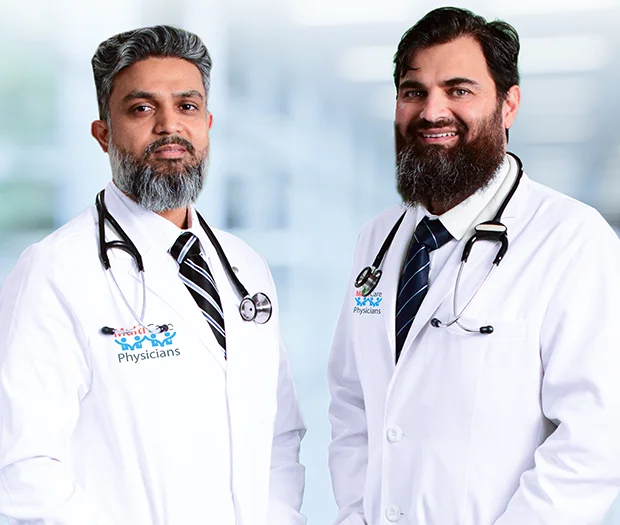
pixel 468 353
pixel 500 329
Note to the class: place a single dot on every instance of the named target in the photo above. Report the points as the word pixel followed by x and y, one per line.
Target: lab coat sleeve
pixel 287 474
pixel 576 476
pixel 348 451
pixel 43 377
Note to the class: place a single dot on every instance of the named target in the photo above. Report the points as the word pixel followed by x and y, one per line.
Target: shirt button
pixel 393 513
pixel 394 434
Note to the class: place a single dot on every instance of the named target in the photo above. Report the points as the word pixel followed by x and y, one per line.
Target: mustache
pixel 421 124
pixel 173 139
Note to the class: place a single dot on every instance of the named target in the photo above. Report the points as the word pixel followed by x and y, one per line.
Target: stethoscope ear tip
pixel 106 330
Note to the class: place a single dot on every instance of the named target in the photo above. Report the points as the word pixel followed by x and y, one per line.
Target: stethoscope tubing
pixel 457 317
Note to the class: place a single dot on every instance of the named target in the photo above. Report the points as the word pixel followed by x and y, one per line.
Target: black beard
pixel 441 177
pixel 163 184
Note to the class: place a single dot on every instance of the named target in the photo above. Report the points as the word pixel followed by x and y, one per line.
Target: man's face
pixel 158 132
pixel 450 125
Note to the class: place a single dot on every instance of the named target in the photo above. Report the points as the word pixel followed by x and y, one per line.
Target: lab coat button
pixel 393 513
pixel 394 434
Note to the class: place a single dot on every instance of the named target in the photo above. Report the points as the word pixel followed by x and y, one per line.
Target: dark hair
pixel 499 42
pixel 127 48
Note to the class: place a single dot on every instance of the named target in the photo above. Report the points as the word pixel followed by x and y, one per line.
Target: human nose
pixel 435 107
pixel 167 122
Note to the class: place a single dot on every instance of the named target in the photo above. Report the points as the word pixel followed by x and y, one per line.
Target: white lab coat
pixel 520 427
pixel 88 440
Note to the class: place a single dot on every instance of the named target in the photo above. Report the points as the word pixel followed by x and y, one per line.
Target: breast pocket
pixel 488 329
pixel 466 357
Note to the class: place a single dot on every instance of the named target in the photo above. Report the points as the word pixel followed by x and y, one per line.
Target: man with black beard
pixel 446 176
pixel 132 391
pixel 482 392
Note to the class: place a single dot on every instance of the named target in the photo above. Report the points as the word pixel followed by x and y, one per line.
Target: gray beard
pixel 158 190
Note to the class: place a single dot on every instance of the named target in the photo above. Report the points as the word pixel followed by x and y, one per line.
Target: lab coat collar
pixel 482 205
pixel 156 232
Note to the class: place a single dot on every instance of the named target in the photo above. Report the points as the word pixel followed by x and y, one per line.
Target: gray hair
pixel 125 49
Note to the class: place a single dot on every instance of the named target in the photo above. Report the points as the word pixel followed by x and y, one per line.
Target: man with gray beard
pixel 140 382
pixel 474 367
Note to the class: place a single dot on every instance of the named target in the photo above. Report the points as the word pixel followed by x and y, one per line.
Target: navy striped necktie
pixel 197 277
pixel 413 284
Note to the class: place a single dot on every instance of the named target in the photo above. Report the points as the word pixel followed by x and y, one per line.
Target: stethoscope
pixel 255 308
pixel 493 230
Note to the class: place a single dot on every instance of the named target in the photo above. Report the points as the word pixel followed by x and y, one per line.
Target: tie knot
pixel 185 246
pixel 431 233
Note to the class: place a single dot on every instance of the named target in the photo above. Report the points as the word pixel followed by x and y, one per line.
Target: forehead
pixel 159 76
pixel 459 58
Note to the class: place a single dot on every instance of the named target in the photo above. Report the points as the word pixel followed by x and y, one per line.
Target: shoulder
pixel 377 229
pixel 52 271
pixel 240 254
pixel 563 233
pixel 558 213
pixel 63 249
pixel 232 243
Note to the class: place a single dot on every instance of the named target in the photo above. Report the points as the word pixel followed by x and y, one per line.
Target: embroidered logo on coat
pixel 368 305
pixel 155 345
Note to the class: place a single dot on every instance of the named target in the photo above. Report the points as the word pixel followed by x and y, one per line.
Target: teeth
pixel 439 135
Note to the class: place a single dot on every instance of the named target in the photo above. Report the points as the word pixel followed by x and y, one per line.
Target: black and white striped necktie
pixel 197 277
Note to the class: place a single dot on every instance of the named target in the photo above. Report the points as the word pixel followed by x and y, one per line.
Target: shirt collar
pixel 482 205
pixel 161 232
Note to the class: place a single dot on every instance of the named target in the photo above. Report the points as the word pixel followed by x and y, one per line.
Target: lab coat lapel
pixel 392 268
pixel 161 280
pixel 442 281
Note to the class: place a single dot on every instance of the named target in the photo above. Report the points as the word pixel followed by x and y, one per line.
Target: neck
pixel 178 217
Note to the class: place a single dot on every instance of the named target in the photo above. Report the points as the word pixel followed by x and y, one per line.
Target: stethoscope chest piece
pixel 256 308
pixel 368 279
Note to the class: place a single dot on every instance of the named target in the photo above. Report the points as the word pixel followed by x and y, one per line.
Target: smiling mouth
pixel 439 135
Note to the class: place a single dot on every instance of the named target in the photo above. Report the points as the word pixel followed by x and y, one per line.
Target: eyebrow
pixel 188 94
pixel 148 95
pixel 460 80
pixel 456 81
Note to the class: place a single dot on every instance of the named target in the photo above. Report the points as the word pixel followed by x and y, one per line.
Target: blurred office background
pixel 302 152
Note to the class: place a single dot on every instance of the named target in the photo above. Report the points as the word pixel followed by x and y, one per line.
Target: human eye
pixel 413 93
pixel 459 92
pixel 188 107
pixel 141 108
